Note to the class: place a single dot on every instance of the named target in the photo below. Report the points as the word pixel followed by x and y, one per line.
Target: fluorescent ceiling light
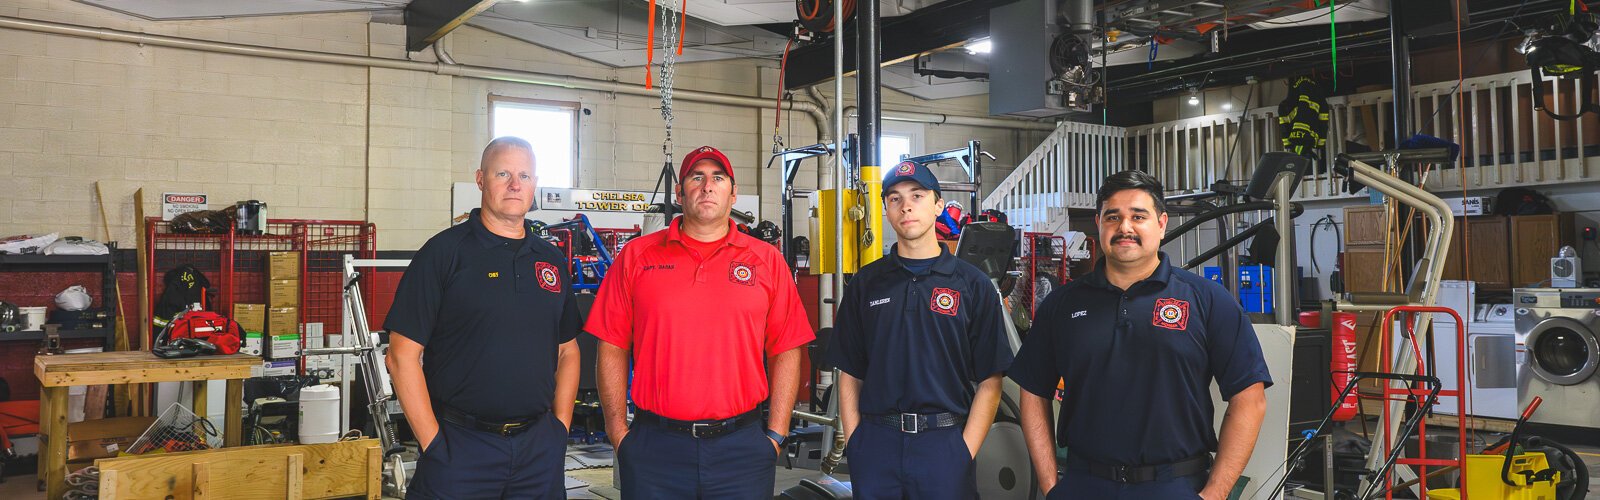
pixel 980 47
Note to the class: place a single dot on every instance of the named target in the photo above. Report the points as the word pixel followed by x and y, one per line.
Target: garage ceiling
pixel 168 10
pixel 612 32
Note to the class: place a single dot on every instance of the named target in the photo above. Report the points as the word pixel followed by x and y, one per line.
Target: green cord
pixel 1333 38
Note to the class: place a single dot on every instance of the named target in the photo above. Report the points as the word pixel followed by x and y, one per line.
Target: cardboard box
pixel 283 321
pixel 251 317
pixel 314 335
pixel 283 346
pixel 283 293
pixel 252 343
pixel 102 438
pixel 325 367
pixel 279 367
pixel 283 266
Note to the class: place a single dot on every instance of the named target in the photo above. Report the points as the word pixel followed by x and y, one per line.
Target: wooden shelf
pixel 87 333
pixel 36 259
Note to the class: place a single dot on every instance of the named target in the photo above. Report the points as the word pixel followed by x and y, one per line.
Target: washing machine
pixel 1563 353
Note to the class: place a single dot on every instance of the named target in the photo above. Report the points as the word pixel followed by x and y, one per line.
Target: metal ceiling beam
pixel 429 20
pixel 940 26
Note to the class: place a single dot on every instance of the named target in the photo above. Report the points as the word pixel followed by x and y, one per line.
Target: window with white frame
pixel 896 139
pixel 551 127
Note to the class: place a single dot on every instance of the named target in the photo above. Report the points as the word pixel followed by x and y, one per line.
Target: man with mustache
pixel 481 346
pixel 712 324
pixel 921 345
pixel 1136 345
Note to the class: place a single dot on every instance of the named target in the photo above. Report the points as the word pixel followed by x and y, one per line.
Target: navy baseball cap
pixel 910 171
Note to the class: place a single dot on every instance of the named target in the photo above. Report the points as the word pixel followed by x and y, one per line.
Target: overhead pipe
pixel 965 121
pixel 442 68
pixel 818 117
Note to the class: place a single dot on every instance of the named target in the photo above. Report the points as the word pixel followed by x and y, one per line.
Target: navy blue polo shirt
pixel 919 341
pixel 490 312
pixel 1138 364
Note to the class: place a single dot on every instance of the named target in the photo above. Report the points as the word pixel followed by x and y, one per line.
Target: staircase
pixel 1063 173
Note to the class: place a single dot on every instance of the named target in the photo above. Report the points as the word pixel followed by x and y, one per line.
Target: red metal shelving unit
pixel 236 264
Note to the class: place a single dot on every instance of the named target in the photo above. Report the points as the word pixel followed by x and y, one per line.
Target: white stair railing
pixel 1062 173
pixel 1505 142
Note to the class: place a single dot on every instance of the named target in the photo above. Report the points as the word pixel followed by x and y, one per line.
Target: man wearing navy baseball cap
pixel 921 345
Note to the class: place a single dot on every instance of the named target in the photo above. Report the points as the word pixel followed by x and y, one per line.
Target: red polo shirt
pixel 699 327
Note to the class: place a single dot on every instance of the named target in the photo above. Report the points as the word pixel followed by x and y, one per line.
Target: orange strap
pixel 683 24
pixel 650 43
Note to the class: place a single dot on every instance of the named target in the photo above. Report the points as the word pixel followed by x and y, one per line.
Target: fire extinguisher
pixel 1343 365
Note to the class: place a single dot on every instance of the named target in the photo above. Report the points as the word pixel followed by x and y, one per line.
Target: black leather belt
pixel 699 429
pixel 912 423
pixel 1129 474
pixel 504 428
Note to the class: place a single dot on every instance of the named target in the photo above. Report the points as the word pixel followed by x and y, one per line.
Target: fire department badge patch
pixel 549 278
pixel 741 273
pixel 945 301
pixel 1172 314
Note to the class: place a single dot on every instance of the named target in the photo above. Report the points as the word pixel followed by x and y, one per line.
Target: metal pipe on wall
pixel 836 279
pixel 966 121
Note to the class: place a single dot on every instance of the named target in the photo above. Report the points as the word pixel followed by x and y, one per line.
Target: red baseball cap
pixel 705 153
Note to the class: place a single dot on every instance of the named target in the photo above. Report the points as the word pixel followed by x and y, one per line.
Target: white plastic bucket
pixel 319 414
pixel 34 318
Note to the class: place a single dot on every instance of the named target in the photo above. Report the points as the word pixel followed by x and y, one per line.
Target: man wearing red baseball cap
pixel 710 321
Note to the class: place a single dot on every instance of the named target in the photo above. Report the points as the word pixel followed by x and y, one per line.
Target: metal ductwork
pixel 1077 16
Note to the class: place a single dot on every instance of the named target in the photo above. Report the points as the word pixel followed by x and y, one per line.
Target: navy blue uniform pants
pixel 659 463
pixel 888 464
pixel 1080 484
pixel 469 463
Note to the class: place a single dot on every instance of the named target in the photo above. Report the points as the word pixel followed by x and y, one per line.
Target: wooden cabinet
pixel 1535 239
pixel 1486 243
pixel 1363 270
pixel 1365 225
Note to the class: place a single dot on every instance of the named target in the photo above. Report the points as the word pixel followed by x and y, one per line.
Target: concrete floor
pixel 600 484
pixel 598 480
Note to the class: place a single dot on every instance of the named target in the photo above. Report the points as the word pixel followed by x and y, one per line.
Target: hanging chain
pixel 669 61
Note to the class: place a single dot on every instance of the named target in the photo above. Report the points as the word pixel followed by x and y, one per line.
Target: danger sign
pixel 173 204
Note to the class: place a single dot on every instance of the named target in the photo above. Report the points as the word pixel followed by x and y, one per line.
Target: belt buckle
pixel 1122 473
pixel 505 429
pixel 910 418
pixel 694 429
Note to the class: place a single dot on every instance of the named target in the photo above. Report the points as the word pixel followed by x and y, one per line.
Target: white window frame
pixel 574 108
pixel 913 131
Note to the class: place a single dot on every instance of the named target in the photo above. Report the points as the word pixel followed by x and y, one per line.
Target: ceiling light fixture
pixel 1194 99
pixel 982 46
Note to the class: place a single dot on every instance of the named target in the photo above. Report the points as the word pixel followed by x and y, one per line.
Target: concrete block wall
pixel 75 112
pixel 340 142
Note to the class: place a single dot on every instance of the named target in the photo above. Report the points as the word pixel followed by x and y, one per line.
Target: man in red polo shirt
pixel 711 322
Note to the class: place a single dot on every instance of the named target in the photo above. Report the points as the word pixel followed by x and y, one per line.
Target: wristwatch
pixel 776 438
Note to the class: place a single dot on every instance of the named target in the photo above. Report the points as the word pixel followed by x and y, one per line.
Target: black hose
pixel 1579 480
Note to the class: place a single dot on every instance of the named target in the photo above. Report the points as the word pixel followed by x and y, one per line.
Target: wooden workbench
pixel 59 371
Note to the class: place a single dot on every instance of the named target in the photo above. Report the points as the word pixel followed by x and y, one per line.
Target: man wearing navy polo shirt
pixel 921 345
pixel 1136 345
pixel 481 346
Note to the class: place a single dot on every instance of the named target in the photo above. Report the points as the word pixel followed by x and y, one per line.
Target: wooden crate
pixel 333 470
